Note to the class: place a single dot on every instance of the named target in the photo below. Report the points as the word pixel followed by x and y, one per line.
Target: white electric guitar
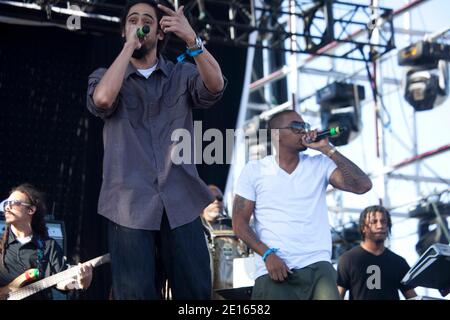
pixel 17 291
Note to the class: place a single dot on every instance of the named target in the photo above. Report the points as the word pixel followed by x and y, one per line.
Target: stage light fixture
pixel 344 238
pixel 426 83
pixel 339 106
pixel 430 230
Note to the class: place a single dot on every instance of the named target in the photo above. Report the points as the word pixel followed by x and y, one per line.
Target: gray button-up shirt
pixel 139 178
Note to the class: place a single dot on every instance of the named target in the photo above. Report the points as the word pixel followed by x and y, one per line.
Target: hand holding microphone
pixel 331 132
pixel 136 35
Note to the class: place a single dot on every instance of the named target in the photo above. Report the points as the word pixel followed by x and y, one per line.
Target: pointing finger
pixel 169 11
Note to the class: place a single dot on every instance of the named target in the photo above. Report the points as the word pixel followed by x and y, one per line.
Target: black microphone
pixel 331 132
pixel 142 32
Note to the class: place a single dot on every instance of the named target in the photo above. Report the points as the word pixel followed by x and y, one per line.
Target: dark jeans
pixel 137 257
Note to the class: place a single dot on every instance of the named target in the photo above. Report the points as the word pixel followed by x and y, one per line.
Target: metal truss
pixel 256 111
pixel 320 28
pixel 319 23
pixel 94 16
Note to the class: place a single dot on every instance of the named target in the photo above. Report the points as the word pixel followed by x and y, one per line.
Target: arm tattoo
pixel 239 204
pixel 242 211
pixel 352 178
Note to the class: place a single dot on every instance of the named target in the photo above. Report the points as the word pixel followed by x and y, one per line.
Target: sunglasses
pixel 13 204
pixel 298 127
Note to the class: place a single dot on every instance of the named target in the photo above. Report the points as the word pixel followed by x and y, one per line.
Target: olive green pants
pixel 314 282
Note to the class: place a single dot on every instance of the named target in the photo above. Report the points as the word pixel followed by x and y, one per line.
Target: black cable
pixel 376 94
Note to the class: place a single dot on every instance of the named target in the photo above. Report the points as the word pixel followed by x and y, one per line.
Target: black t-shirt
pixel 371 277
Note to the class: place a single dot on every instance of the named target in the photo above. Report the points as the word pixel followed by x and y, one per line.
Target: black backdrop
pixel 48 138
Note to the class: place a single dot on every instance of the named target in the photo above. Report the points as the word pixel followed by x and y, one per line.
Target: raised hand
pixel 176 22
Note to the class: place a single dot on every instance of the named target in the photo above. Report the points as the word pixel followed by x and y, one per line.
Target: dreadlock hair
pixel 159 14
pixel 36 199
pixel 371 210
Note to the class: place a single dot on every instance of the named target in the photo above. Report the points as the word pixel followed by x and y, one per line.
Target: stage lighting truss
pixel 319 23
pixel 95 16
pixel 431 206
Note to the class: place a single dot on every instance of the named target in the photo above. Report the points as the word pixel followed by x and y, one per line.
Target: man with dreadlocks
pixel 371 271
pixel 25 243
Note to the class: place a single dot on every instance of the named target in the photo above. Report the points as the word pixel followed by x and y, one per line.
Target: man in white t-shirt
pixel 286 194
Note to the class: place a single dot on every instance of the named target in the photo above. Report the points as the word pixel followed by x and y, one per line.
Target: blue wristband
pixel 269 251
pixel 194 53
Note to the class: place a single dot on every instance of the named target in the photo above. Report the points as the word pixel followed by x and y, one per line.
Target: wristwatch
pixel 198 44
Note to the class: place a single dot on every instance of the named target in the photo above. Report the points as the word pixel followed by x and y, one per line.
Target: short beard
pixel 376 240
pixel 141 52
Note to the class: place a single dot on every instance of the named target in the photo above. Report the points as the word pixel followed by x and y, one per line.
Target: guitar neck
pixel 48 282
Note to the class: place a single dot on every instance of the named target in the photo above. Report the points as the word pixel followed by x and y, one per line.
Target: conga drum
pixel 225 248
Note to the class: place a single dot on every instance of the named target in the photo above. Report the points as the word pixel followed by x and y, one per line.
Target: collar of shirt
pixel 12 238
pixel 162 65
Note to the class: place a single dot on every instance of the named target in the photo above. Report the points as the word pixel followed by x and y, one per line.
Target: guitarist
pixel 26 245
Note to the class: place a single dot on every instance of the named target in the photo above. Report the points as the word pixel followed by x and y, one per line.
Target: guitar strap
pixel 40 262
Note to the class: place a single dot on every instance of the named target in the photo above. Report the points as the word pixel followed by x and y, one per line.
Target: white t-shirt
pixel 290 209
pixel 147 72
